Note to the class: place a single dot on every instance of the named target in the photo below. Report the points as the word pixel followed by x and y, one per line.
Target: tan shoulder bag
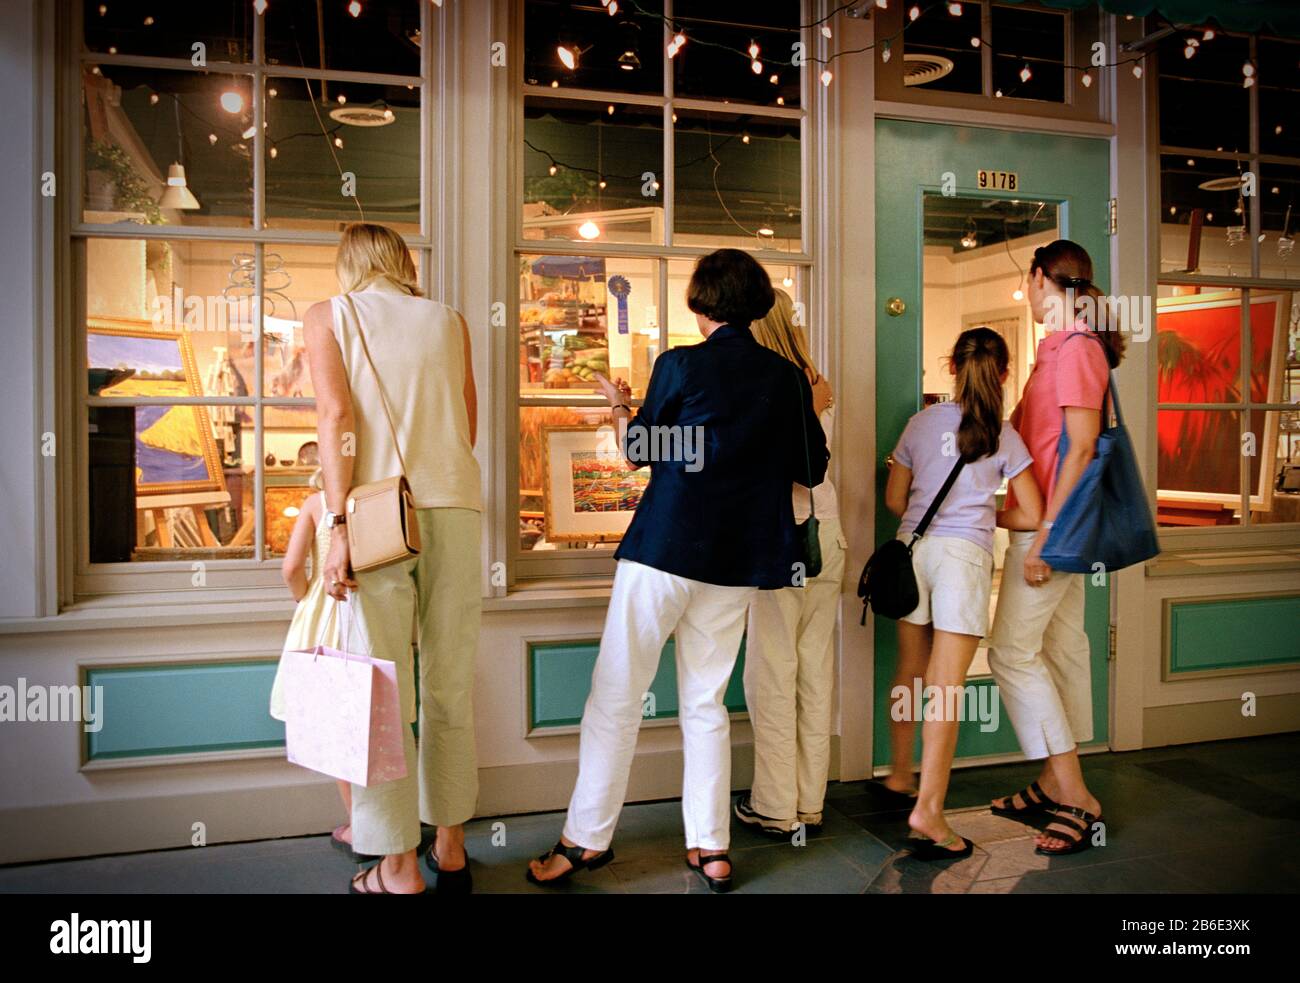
pixel 382 525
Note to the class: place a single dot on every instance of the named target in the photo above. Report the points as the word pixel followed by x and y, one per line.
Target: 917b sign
pixel 997 180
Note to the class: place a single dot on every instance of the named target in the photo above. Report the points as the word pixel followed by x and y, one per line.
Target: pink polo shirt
pixel 1076 375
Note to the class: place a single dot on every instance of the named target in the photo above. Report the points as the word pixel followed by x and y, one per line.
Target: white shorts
pixel 954 578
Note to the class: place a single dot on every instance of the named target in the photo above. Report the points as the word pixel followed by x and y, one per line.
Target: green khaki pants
pixel 439 592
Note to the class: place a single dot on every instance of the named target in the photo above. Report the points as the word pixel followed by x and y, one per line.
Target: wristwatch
pixel 333 519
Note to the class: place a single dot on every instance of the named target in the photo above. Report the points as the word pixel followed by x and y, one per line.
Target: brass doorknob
pixel 895 306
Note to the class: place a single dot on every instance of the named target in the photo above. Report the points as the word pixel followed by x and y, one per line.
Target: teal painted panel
pixel 560 679
pixel 1247 633
pixel 911 160
pixel 182 709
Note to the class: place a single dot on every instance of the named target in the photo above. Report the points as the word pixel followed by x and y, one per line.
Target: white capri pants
pixel 1040 658
pixel 645 607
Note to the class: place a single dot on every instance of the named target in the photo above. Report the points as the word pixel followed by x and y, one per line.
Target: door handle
pixel 895 306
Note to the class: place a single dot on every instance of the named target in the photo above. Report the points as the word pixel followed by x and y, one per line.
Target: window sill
pixel 158 610
pixel 1188 562
pixel 588 592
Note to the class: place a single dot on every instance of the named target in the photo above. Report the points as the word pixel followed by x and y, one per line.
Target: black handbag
pixel 888 582
pixel 809 531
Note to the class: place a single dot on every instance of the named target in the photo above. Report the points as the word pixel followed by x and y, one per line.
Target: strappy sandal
pixel 928 850
pixel 1080 822
pixel 573 854
pixel 458 881
pixel 345 847
pixel 1033 808
pixel 718 885
pixel 379 879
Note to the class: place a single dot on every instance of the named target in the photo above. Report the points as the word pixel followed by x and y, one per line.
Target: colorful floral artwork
pixel 589 493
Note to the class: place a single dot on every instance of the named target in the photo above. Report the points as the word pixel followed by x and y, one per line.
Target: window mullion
pixel 259 450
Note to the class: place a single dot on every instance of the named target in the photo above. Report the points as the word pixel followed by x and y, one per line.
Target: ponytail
pixel 980 360
pixel 1068 265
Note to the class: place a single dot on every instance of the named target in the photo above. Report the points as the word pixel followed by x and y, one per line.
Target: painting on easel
pixel 174 449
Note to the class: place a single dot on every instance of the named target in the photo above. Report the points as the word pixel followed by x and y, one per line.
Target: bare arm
pixel 471 393
pixel 335 423
pixel 1028 511
pixel 897 488
pixel 294 566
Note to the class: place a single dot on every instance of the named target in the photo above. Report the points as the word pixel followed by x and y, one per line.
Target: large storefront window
pixel 221 150
pixel 628 173
pixel 1227 315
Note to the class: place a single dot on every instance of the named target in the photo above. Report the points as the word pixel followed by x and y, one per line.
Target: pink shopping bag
pixel 343 716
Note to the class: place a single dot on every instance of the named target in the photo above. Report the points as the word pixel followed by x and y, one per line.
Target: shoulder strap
pixel 924 524
pixel 1111 392
pixel 365 349
pixel 807 454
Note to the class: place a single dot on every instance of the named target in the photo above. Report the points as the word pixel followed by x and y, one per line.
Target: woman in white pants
pixel 789 656
pixel 711 529
pixel 1038 650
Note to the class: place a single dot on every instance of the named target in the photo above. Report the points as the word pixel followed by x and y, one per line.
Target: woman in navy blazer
pixel 726 427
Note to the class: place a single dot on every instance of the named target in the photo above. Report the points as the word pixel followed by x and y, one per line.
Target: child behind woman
pixel 953 561
pixel 315 619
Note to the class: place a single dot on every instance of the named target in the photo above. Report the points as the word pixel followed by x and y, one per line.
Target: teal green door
pixel 922 166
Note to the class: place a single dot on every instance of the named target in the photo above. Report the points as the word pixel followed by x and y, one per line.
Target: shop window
pixel 628 173
pixel 1229 201
pixel 592 171
pixel 199 436
pixel 336 150
pixel 1012 57
pixel 1226 428
pixel 145 27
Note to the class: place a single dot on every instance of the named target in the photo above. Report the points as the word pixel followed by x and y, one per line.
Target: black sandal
pixel 573 854
pixel 927 849
pixel 718 885
pixel 458 881
pixel 379 878
pixel 1033 808
pixel 1080 823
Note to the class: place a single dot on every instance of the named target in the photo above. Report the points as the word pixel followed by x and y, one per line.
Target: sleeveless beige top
pixel 419 357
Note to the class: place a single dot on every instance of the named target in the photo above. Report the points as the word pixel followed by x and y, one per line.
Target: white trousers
pixel 646 606
pixel 1039 655
pixel 789 683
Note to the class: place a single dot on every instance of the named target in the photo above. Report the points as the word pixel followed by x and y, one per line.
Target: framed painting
pixel 1199 452
pixel 589 493
pixel 174 449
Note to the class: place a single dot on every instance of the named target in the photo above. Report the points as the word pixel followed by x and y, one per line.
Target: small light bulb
pixel 753 50
pixel 248 133
pixel 589 230
pixel 885 52
pixel 1086 79
pixel 744 138
pixel 1277 130
pixel 153 98
pixel 974 42
pixel 567 58
pixel 342 99
pixel 1189 51
pixel 148 22
pixel 602 184
pixel 1191 162
pixel 274 153
pixel 338 142
pixel 1017 294
pixel 914 12
pixel 1173 210
pixel 613 7
pixel 1137 70
pixel 774 78
pixel 1248 69
pixel 787 281
pixel 954 9
pixel 232 102
pixel 1026 74
pixel 780 100
pixel 212 139
pixel 272 93
pixel 757 66
pixel 997 94
pixel 826 77
pixel 259 6
pixel 354 8
pixel 1208 35
pixel 826 31
pixel 610 109
pixel 552 170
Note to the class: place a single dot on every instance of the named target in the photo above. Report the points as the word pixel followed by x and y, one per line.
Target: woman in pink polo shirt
pixel 1038 650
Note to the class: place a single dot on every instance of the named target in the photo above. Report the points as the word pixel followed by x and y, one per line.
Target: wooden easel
pixel 197 502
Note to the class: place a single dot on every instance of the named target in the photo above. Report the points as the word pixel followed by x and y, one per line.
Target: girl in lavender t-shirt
pixel 953 562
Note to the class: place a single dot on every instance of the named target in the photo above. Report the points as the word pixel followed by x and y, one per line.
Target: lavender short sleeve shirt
pixel 969 511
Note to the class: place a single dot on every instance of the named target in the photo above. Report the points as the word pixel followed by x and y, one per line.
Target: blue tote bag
pixel 1106 518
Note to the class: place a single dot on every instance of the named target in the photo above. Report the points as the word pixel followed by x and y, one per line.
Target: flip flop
pixel 928 850
pixel 379 878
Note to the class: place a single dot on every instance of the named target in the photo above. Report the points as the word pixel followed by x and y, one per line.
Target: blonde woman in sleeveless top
pixel 421 354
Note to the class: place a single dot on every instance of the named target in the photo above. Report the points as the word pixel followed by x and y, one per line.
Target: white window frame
pixel 232 580
pixel 525 566
pixel 1245 533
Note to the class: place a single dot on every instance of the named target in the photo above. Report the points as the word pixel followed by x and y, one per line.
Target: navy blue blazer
pixel 724 517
